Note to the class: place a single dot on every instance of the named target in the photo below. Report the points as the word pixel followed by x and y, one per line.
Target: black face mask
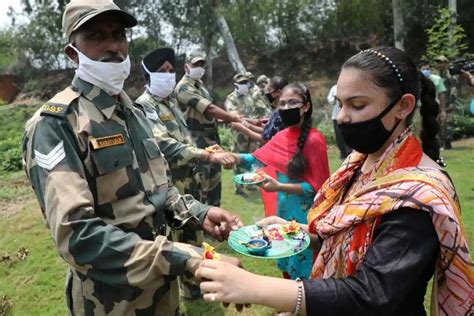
pixel 270 97
pixel 291 116
pixel 369 136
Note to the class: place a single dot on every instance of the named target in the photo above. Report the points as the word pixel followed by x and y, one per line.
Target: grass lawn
pixel 34 286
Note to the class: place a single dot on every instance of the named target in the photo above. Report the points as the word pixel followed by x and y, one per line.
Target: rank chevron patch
pixel 55 156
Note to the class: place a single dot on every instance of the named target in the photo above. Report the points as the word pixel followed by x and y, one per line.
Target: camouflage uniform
pixel 261 103
pixel 193 99
pixel 241 143
pixel 105 192
pixel 169 123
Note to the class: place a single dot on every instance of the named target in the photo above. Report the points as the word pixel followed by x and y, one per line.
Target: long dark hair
pixel 297 165
pixel 384 75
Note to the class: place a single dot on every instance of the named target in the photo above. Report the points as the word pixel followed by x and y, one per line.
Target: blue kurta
pixel 290 207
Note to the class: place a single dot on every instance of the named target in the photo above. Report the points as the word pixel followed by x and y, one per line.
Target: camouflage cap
pixel 441 58
pixel 240 78
pixel 78 12
pixel 194 57
pixel 262 78
pixel 249 75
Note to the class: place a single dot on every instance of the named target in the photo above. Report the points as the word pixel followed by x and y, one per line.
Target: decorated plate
pixel 249 178
pixel 283 242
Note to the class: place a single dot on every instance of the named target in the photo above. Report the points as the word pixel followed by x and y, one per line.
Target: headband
pixel 387 60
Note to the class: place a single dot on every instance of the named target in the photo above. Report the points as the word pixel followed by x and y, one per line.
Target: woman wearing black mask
pixel 298 154
pixel 385 222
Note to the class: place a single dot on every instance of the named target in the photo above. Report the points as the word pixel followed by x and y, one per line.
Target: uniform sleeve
pixel 394 273
pixel 83 239
pixel 174 151
pixel 229 105
pixel 189 96
pixel 261 110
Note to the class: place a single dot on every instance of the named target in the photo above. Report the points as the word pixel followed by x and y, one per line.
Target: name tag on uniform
pixel 107 141
pixel 151 115
pixel 166 118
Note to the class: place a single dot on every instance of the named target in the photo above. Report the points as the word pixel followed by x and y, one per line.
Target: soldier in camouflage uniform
pixel 240 102
pixel 161 107
pixel 259 97
pixel 102 183
pixel 446 113
pixel 201 114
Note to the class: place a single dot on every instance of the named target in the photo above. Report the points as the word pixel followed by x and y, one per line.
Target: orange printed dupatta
pixel 347 226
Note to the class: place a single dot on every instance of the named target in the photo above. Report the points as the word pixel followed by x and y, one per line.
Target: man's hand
pixel 214 149
pixel 222 158
pixel 219 223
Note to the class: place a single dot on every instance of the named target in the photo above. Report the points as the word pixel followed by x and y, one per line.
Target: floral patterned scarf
pixel 347 224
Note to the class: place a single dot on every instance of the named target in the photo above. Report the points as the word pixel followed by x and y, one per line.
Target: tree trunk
pixel 398 24
pixel 232 53
pixel 454 13
pixel 209 68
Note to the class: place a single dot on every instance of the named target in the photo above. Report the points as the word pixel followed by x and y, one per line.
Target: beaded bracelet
pixel 299 298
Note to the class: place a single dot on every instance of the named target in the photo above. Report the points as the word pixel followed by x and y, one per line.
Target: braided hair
pixel 395 72
pixel 297 165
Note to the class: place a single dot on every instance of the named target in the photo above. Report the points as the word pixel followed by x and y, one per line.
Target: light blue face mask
pixel 426 72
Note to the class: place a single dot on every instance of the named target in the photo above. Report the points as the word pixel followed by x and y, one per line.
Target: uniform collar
pixel 193 81
pixel 101 99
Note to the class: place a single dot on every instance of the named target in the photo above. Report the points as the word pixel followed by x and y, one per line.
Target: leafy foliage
pixel 445 38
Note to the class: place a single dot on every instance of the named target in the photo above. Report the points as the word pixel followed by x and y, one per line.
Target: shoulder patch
pixel 59 104
pixel 50 160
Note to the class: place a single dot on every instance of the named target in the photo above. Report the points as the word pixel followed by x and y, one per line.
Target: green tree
pixel 444 38
pixel 41 40
pixel 8 58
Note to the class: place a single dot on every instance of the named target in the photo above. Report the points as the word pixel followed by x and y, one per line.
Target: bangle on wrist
pixel 299 297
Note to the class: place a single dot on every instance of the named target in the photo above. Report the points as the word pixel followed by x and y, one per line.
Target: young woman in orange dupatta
pixel 386 222
pixel 298 154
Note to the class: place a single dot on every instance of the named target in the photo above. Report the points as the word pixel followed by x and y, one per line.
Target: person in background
pixel 260 100
pixel 258 130
pixel 240 102
pixel 440 97
pixel 262 82
pixel 441 64
pixel 201 118
pixel 169 126
pixel 344 150
pixel 251 83
pixel 299 155
pixel 385 223
pixel 469 77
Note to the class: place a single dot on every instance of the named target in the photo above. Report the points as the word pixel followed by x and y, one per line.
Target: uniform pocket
pixel 156 162
pixel 111 166
pixel 112 158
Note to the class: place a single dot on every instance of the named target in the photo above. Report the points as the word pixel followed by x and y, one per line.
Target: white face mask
pixel 196 73
pixel 161 83
pixel 242 88
pixel 107 76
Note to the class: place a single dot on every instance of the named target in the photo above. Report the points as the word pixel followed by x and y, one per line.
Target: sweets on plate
pixel 254 177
